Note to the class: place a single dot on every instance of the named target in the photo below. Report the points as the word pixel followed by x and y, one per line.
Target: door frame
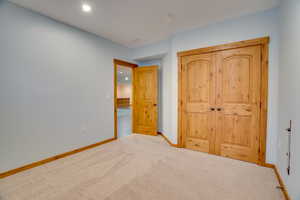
pixel 264 43
pixel 124 64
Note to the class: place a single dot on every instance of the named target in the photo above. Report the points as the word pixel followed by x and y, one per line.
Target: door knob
pixel 219 109
pixel 212 109
pixel 154 104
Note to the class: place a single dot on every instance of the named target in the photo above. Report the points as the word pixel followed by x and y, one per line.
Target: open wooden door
pixel 145 100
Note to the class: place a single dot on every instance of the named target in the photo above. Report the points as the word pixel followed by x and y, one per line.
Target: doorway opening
pixel 123 100
pixel 135 99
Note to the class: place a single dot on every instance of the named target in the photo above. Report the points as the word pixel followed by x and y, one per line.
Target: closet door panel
pixel 238 103
pixel 199 99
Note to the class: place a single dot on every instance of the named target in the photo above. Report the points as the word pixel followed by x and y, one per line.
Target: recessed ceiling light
pixel 86 7
pixel 121 72
pixel 126 78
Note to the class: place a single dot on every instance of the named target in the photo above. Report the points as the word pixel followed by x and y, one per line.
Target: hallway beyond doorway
pixel 124 121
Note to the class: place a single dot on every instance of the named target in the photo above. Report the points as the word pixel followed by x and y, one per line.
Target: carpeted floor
pixel 140 167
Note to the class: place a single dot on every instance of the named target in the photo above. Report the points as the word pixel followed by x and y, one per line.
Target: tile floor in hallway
pixel 124 122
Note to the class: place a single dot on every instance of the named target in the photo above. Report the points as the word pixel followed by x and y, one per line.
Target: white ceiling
pixel 135 23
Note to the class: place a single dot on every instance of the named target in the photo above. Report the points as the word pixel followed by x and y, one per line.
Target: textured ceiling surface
pixel 134 23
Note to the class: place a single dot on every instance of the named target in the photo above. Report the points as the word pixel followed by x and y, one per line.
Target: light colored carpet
pixel 141 167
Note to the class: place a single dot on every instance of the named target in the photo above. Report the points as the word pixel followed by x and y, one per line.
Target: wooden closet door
pixel 238 103
pixel 198 92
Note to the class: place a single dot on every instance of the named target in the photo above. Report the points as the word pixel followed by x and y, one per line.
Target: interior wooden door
pixel 238 103
pixel 198 102
pixel 145 100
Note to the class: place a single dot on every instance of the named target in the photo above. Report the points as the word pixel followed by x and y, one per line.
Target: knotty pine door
pixel 145 100
pixel 221 102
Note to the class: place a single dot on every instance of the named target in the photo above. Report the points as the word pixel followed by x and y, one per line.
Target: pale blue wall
pixel 289 93
pixel 149 62
pixel 56 87
pixel 161 49
pixel 247 27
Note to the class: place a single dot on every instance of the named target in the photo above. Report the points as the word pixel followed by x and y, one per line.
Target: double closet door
pixel 221 102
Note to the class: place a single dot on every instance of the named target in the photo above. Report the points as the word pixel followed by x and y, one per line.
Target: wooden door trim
pixel 233 45
pixel 53 158
pixel 125 64
pixel 264 103
pixel 264 43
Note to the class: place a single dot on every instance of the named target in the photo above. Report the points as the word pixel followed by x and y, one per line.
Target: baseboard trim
pixel 280 180
pixel 47 160
pixel 268 165
pixel 168 141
